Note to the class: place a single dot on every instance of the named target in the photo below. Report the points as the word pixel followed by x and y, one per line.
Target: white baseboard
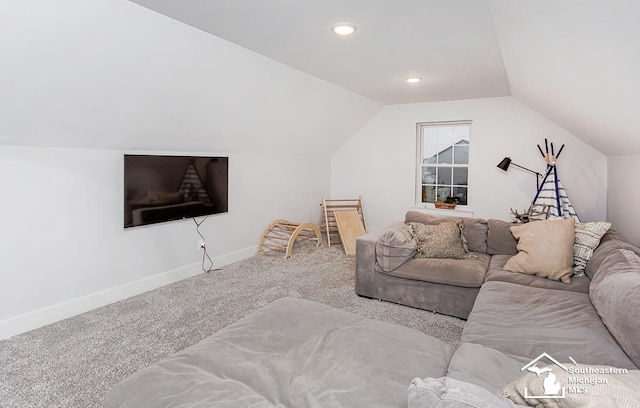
pixel 236 256
pixel 51 314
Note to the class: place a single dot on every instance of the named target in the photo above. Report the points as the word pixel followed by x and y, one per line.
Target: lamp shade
pixel 504 164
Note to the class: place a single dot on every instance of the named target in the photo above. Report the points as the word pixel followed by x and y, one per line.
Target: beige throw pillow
pixel 443 240
pixel 545 249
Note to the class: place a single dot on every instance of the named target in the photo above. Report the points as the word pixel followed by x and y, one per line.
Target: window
pixel 443 162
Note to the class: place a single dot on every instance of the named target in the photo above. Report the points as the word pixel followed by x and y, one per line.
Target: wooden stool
pixel 279 231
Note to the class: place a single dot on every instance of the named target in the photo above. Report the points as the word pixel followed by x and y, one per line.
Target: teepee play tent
pixel 551 194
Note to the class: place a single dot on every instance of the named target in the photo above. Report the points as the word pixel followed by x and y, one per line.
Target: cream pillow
pixel 545 249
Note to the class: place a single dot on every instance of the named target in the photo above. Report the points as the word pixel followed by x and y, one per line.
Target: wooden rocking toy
pixel 281 231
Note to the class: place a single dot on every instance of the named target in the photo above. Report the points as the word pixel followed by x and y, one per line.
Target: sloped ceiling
pixel 111 74
pixel 451 44
pixel 574 61
pixel 577 62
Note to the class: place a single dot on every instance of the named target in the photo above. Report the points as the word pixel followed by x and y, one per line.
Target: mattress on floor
pixel 290 353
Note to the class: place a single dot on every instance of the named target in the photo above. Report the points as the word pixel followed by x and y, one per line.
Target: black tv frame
pixel 163 188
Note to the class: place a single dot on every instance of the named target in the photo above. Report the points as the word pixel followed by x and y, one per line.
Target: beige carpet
pixel 74 362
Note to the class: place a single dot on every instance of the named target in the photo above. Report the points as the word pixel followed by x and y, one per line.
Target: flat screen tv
pixel 166 188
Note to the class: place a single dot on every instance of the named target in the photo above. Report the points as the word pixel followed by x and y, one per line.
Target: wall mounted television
pixel 166 188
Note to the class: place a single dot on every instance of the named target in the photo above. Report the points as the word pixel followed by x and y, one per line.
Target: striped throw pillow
pixel 587 239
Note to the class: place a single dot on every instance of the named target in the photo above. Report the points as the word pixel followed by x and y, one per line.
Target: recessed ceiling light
pixel 344 29
pixel 413 80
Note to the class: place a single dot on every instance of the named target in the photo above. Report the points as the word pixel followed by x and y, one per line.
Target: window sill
pixel 459 211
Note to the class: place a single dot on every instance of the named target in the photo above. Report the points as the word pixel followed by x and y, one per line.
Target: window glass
pixel 429 175
pixel 444 176
pixel 443 193
pixel 443 162
pixel 461 194
pixel 460 176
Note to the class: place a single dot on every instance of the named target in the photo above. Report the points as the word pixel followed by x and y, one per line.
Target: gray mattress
pixel 290 353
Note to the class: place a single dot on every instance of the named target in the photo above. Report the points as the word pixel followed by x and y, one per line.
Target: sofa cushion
pixel 610 242
pixel 526 321
pixel 545 249
pixel 475 229
pixel 500 240
pixel 417 216
pixel 484 366
pixel 290 353
pixel 447 392
pixel 496 272
pixel 468 272
pixel 444 240
pixel 587 239
pixel 447 299
pixel 394 247
pixel 615 293
pixel 620 389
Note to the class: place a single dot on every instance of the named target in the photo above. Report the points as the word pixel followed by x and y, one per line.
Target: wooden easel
pixel 280 231
pixel 328 223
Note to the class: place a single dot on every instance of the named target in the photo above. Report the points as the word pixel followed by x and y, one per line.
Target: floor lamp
pixel 506 162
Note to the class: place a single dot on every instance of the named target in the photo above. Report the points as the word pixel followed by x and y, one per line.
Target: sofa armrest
pixel 365 263
pixel 367 255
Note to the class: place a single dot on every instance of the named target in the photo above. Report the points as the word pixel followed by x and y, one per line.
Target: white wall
pixel 379 161
pixel 623 195
pixel 64 248
pixel 84 82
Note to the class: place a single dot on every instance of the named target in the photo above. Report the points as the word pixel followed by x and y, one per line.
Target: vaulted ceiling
pixel 574 61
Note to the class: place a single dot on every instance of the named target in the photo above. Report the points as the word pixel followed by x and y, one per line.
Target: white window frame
pixel 420 156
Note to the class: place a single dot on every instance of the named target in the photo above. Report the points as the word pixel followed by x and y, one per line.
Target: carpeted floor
pixel 74 362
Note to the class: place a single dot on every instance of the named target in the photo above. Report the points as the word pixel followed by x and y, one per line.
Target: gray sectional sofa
pixel 512 317
pixel 297 353
pixel 386 268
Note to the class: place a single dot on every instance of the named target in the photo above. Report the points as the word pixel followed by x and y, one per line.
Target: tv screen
pixel 166 188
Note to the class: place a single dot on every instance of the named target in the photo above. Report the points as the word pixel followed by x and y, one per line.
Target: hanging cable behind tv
pixel 203 246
